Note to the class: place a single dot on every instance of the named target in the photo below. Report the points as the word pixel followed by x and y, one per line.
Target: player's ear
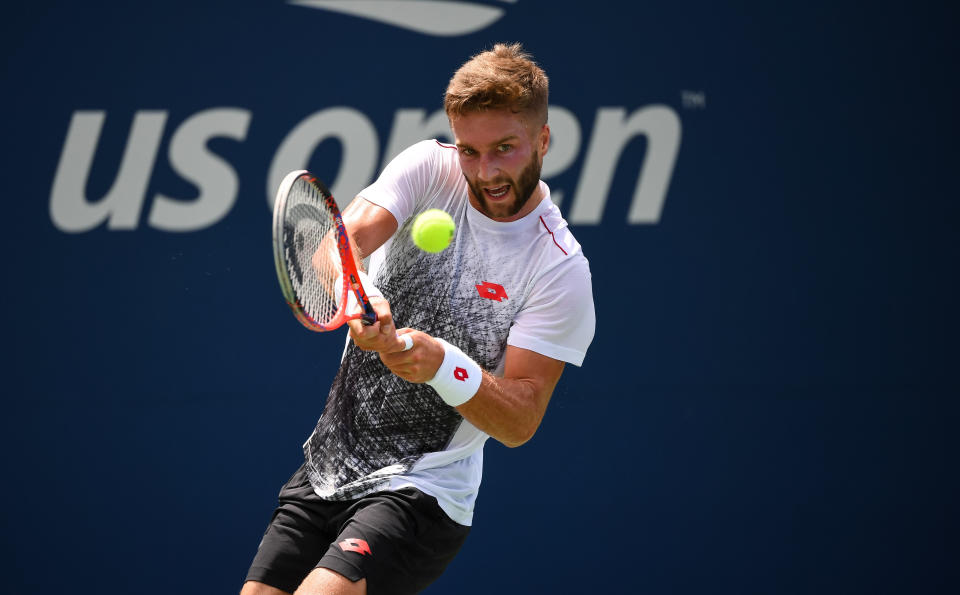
pixel 543 140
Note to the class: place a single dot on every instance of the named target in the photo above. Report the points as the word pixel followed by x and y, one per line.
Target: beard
pixel 522 189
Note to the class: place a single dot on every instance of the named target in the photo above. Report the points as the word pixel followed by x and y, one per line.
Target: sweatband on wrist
pixel 458 378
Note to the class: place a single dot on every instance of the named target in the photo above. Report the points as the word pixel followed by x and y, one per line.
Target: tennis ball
pixel 433 230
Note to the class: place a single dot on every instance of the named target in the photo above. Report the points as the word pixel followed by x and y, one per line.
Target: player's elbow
pixel 519 435
pixel 512 443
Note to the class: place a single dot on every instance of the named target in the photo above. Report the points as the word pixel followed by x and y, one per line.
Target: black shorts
pixel 400 541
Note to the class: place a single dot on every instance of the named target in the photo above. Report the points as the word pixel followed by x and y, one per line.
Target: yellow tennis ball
pixel 433 230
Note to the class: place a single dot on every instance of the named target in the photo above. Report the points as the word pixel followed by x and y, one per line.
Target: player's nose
pixel 488 169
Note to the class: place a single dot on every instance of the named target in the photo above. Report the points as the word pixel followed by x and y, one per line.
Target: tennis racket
pixel 315 264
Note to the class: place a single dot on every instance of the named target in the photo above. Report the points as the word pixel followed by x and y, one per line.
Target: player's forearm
pixel 507 409
pixel 368 226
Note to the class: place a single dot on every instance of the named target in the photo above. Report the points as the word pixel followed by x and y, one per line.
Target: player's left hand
pixel 380 336
pixel 419 363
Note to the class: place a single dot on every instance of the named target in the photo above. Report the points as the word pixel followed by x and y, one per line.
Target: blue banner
pixel 765 195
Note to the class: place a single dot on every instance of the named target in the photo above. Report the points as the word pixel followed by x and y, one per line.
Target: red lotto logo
pixel 491 291
pixel 460 374
pixel 355 545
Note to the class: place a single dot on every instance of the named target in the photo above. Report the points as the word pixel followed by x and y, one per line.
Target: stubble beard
pixel 523 189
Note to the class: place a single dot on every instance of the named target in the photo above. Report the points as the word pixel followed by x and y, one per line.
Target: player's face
pixel 501 159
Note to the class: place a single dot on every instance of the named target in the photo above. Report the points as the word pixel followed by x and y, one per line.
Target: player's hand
pixel 380 336
pixel 420 363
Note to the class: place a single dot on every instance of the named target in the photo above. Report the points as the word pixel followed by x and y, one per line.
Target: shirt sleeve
pixel 405 180
pixel 558 320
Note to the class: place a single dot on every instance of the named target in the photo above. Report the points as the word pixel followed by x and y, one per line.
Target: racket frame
pixel 351 277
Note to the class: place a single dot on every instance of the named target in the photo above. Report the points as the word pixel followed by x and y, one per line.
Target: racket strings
pixel 310 239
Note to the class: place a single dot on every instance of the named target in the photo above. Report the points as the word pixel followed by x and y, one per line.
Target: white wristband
pixel 458 377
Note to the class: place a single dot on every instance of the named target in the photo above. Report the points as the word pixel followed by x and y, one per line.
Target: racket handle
pixel 369 314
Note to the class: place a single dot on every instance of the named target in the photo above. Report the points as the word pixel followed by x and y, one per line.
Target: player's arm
pixel 369 226
pixel 509 408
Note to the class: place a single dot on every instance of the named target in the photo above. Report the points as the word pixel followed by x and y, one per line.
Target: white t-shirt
pixel 524 283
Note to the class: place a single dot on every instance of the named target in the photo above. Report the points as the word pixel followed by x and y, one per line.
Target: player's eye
pixel 503 148
pixel 467 151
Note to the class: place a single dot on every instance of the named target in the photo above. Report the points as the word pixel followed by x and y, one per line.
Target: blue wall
pixel 765 407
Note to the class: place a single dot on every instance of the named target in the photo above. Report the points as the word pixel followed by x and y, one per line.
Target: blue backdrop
pixel 767 196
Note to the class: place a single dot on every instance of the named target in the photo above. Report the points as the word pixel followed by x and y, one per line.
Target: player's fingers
pixel 392 344
pixel 384 315
pixel 411 365
pixel 398 353
pixel 406 336
pixel 355 328
pixel 359 331
pixel 367 338
pixel 386 327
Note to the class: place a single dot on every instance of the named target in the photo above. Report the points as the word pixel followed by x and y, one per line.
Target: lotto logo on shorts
pixel 355 545
pixel 491 291
pixel 460 374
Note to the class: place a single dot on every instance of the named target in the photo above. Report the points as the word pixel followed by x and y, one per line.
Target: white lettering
pixel 411 127
pixel 70 211
pixel 613 130
pixel 356 135
pixel 215 179
pixel 564 146
pixel 217 182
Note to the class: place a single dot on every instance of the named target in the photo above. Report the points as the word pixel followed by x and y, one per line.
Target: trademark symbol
pixel 694 99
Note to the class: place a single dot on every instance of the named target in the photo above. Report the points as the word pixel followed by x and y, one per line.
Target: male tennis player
pixel 385 497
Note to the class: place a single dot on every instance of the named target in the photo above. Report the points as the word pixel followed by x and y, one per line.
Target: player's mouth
pixel 496 192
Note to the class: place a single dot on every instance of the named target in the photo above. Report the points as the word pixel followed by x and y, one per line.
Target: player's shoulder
pixel 560 270
pixel 556 237
pixel 436 145
pixel 429 155
pixel 431 150
pixel 556 257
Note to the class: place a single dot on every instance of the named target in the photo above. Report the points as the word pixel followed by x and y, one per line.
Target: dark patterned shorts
pixel 400 541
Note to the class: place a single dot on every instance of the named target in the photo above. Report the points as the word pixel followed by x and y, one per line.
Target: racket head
pixel 313 258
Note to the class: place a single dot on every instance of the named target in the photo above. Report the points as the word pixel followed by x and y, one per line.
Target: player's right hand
pixel 380 336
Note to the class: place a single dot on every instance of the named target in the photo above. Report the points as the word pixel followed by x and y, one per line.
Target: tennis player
pixel 386 494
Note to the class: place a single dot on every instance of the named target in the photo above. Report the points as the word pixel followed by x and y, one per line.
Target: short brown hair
pixel 505 77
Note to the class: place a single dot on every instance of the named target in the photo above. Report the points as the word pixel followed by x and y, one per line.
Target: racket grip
pixel 369 315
